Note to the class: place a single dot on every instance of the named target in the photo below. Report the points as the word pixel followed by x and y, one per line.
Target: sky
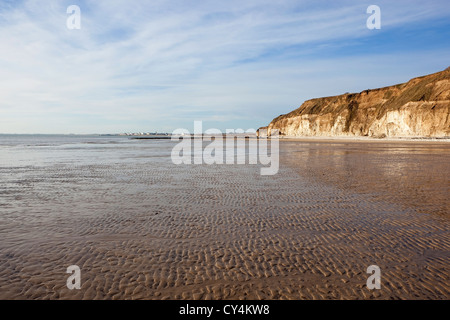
pixel 146 66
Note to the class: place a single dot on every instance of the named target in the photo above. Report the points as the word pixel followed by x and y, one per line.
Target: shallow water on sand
pixel 140 227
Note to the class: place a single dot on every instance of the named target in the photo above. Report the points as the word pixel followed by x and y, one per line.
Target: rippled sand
pixel 140 227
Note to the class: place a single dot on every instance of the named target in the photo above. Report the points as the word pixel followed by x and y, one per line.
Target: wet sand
pixel 140 227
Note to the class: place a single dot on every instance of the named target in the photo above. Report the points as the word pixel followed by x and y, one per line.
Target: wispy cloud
pixel 159 65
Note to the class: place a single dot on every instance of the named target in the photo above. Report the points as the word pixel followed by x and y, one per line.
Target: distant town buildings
pixel 143 134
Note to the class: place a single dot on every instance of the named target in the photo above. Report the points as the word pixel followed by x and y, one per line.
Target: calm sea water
pixel 46 150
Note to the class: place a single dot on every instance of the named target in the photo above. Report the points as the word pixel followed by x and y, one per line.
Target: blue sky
pixel 161 65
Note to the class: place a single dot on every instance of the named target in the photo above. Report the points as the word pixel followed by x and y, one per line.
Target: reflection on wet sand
pixel 413 174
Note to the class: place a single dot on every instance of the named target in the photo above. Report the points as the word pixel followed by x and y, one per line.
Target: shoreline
pixel 365 139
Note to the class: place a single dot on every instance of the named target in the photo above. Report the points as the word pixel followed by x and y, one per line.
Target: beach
pixel 140 227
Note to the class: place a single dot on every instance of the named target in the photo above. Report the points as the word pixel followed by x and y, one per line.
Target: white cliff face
pixel 413 120
pixel 419 108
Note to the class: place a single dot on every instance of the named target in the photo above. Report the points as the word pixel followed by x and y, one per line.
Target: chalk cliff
pixel 418 108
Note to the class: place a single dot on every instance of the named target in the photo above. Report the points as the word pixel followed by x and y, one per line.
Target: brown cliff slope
pixel 418 108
